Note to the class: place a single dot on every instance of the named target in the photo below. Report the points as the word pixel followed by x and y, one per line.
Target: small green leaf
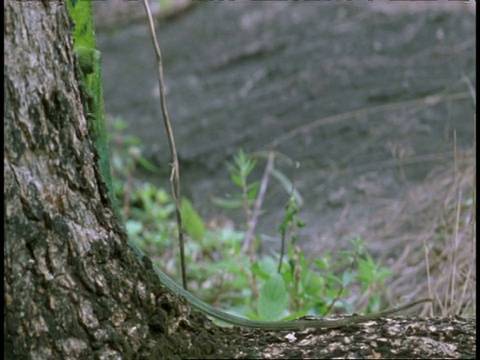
pixel 374 303
pixel 301 224
pixel 227 203
pixel 258 271
pixel 192 222
pixel 288 186
pixel 347 278
pixel 252 190
pixel 249 166
pixel 148 165
pixel 237 180
pixel 366 269
pixel 133 227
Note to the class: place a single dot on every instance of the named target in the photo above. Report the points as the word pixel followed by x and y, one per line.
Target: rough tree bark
pixel 72 287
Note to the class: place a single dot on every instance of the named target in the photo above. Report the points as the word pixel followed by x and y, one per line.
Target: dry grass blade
pixel 427 238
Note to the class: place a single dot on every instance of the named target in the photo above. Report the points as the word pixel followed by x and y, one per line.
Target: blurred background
pixel 374 100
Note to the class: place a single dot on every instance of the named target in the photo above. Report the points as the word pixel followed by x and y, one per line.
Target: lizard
pixel 90 83
pixel 88 58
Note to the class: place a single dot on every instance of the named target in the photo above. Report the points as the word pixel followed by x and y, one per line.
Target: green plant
pixel 146 209
pixel 269 288
pixel 294 287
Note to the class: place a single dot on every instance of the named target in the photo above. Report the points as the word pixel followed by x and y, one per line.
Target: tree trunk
pixel 73 289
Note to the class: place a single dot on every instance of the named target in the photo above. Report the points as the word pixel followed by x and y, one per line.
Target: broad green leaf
pixel 273 299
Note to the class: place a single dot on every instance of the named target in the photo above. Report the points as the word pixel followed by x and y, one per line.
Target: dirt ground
pixel 371 99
